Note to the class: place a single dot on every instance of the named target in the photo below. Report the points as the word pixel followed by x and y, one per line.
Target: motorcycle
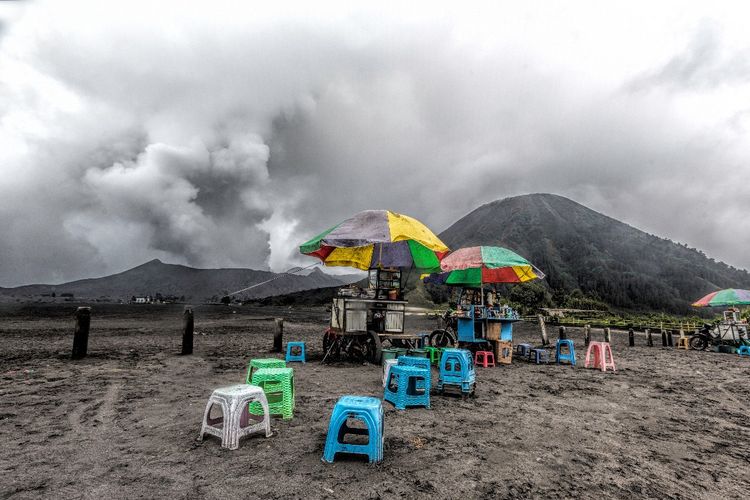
pixel 445 336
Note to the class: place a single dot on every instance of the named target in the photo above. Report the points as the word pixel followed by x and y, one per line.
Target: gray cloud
pixel 703 64
pixel 128 140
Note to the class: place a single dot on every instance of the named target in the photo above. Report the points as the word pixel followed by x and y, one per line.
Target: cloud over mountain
pixel 212 136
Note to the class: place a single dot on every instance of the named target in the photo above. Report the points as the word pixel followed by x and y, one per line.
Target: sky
pixel 224 134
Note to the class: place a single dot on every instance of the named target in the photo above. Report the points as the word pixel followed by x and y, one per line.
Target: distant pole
pixel 563 336
pixel 278 333
pixel 587 334
pixel 649 338
pixel 669 338
pixel 631 337
pixel 81 334
pixel 663 338
pixel 607 335
pixel 187 330
pixel 545 341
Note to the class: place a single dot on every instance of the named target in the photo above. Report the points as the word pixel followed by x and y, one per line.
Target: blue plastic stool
pixel 409 391
pixel 457 370
pixel 523 350
pixel 295 357
pixel 538 356
pixel 565 356
pixel 743 350
pixel 419 363
pixel 368 410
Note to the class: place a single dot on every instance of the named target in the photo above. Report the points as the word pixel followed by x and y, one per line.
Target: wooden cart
pixel 361 320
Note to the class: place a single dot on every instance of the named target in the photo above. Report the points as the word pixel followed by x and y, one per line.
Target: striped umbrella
pixel 378 239
pixel 475 266
pixel 725 298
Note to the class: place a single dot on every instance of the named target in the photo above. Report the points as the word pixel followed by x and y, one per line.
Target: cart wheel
pixel 698 342
pixel 355 349
pixel 331 347
pixel 441 338
pixel 374 349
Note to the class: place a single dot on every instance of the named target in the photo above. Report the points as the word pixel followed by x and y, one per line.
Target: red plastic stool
pixel 484 359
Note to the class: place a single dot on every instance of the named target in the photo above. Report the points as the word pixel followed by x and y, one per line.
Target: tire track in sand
pixel 94 437
pixel 105 413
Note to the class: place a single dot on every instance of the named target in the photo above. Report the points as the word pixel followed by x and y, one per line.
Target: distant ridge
pixel 579 248
pixel 180 282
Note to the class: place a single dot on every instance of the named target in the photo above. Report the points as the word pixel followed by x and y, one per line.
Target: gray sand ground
pixel 123 422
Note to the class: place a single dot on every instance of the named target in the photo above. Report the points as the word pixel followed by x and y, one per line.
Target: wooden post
pixel 631 337
pixel 649 338
pixel 545 340
pixel 669 338
pixel 278 333
pixel 81 334
pixel 187 330
pixel 563 336
pixel 587 335
pixel 607 335
pixel 663 338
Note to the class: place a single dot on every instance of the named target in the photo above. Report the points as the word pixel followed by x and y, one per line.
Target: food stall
pixel 383 243
pixel 478 321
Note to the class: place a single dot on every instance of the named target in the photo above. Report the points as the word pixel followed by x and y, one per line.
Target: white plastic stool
pixel 387 363
pixel 233 401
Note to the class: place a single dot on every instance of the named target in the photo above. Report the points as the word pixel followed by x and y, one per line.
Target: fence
pixel 623 324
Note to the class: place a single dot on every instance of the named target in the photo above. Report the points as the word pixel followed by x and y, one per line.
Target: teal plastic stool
pixel 457 370
pixel 290 356
pixel 743 350
pixel 419 362
pixel 410 389
pixel 570 355
pixel 366 409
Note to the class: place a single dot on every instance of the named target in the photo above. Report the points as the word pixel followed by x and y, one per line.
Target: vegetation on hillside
pixel 591 260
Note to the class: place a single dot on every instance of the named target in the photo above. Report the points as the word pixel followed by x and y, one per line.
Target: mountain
pixel 156 277
pixel 607 260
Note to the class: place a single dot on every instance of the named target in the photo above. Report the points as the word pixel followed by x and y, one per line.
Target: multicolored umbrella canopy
pixel 475 266
pixel 725 298
pixel 378 239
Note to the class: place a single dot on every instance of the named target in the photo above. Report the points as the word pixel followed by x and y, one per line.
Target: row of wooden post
pixel 83 326
pixel 666 335
pixel 564 335
pixel 83 323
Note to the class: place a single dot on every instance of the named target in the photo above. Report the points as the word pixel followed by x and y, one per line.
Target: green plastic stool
pixel 256 364
pixel 278 385
pixel 434 354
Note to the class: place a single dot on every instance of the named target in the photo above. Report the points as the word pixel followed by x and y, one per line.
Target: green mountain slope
pixel 578 248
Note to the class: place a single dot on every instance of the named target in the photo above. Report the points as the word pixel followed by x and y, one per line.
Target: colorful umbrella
pixel 475 266
pixel 725 298
pixel 378 239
